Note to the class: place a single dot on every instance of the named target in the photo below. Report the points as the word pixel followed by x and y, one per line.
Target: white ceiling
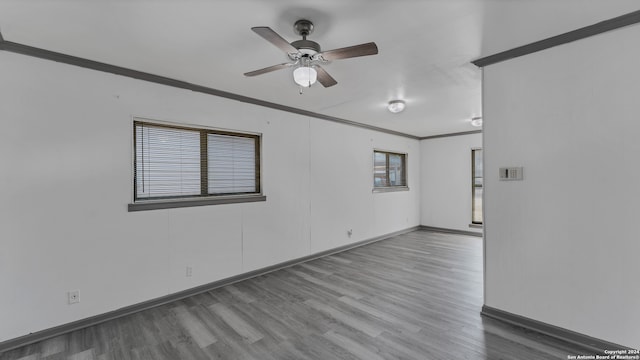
pixel 425 47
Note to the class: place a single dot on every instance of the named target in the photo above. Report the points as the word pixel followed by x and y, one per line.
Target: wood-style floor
pixel 414 296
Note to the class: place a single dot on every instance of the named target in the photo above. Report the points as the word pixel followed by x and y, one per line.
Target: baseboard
pixel 589 344
pixel 450 231
pixel 128 310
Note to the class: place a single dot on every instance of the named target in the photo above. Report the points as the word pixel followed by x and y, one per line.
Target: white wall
pixel 509 24
pixel 445 166
pixel 343 198
pixel 66 180
pixel 562 245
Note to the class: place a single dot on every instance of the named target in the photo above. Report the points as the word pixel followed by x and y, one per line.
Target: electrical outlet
pixel 189 272
pixel 74 296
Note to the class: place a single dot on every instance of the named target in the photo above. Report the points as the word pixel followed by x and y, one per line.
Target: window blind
pixel 167 162
pixel 175 162
pixel 232 166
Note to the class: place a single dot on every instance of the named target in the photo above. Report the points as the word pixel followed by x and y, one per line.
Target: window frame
pixel 204 198
pixel 405 171
pixel 473 188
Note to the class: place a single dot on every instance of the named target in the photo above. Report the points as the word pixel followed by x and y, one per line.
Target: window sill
pixel 475 226
pixel 172 204
pixel 389 189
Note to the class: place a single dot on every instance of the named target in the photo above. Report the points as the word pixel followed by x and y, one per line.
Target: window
pixel 174 162
pixel 389 170
pixel 476 186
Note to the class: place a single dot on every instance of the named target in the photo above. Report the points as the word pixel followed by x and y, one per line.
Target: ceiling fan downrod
pixel 304 28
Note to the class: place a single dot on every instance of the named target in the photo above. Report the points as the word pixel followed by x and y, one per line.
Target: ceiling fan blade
pixel 273 37
pixel 351 51
pixel 324 78
pixel 268 69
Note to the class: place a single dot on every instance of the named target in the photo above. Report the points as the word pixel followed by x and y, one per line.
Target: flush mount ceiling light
pixel 396 106
pixel 476 121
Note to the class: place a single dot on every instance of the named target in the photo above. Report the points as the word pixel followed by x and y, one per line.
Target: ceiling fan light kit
pixel 305 76
pixel 306 55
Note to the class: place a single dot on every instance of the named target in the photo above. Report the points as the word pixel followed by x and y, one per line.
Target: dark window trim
pixel 384 189
pixel 180 203
pixel 204 198
pixel 391 188
pixel 473 187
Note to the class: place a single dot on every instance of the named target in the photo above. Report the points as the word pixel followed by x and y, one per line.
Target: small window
pixel 173 162
pixel 476 186
pixel 389 170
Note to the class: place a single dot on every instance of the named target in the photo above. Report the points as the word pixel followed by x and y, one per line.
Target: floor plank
pixel 413 296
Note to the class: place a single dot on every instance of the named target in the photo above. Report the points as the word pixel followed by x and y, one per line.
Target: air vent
pixel 510 173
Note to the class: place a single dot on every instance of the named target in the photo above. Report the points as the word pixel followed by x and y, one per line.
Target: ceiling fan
pixel 306 57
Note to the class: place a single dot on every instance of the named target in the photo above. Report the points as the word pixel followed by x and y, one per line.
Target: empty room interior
pixel 301 179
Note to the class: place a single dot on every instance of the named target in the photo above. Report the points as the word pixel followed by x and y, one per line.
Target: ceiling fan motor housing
pixel 304 28
pixel 306 46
